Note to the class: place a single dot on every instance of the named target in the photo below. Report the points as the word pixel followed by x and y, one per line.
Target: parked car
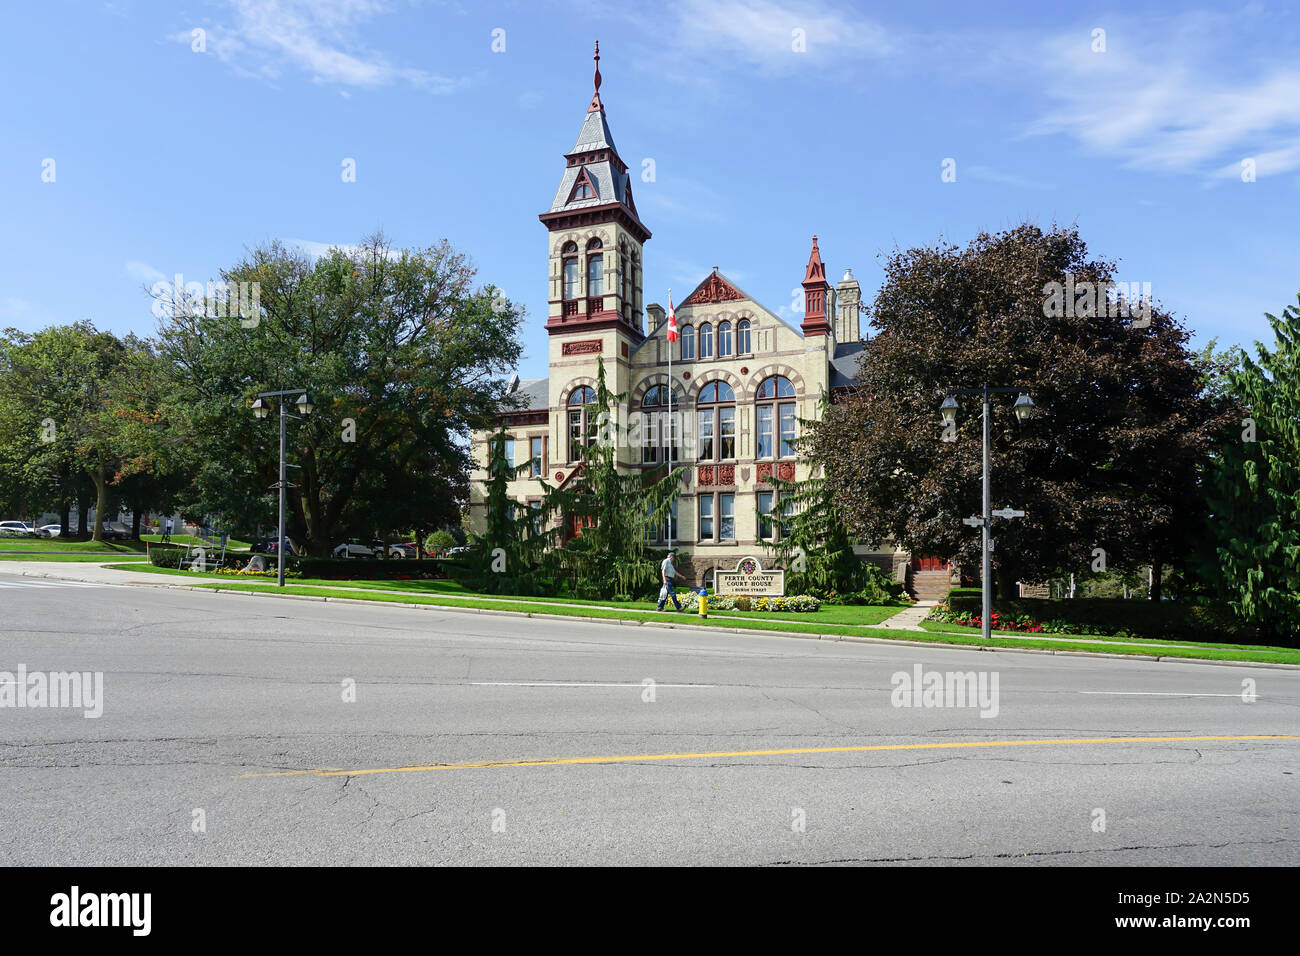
pixel 49 531
pixel 458 551
pixel 115 531
pixel 17 529
pixel 353 549
pixel 407 549
pixel 267 546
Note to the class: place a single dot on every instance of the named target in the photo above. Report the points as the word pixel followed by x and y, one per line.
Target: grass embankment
pixel 66 549
pixel 830 620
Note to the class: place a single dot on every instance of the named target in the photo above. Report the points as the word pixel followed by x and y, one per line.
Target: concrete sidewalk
pixel 908 619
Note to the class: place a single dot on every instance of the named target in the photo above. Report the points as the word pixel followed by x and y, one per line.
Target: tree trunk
pixel 101 502
pixel 83 514
pixel 1157 572
pixel 135 524
pixel 64 509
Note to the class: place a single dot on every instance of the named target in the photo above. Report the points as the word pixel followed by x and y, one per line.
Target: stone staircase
pixel 929 585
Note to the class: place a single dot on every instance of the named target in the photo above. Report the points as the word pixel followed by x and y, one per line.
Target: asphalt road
pixel 233 706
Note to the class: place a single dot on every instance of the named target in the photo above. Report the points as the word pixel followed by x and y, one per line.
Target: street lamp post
pixel 260 411
pixel 1023 407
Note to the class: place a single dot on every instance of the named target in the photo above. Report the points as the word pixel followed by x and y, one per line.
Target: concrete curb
pixel 673 625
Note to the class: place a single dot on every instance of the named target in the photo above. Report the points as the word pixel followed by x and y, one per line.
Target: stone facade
pixel 741 376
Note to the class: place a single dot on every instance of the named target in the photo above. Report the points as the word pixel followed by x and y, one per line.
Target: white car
pixel 49 531
pixel 17 529
pixel 352 549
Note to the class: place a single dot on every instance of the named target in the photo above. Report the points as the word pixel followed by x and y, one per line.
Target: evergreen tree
pixel 1256 481
pixel 509 553
pixel 610 512
pixel 811 540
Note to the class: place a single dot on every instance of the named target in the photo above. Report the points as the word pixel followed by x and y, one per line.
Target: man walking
pixel 667 572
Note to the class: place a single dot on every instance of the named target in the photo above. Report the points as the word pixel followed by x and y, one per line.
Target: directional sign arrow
pixel 973 522
pixel 1009 513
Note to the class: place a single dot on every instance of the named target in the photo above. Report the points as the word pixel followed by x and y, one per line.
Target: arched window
pixel 717 414
pixel 571 275
pixel 688 343
pixel 706 341
pixel 595 269
pixel 582 406
pixel 775 428
pixel 661 428
pixel 724 339
pixel 742 337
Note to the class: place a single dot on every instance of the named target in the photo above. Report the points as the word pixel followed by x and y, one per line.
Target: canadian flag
pixel 672 320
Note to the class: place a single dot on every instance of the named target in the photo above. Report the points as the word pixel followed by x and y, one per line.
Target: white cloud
pixel 763 33
pixel 143 272
pixel 318 37
pixel 990 175
pixel 1170 96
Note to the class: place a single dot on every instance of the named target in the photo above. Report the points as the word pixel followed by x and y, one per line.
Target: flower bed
pixel 799 603
pixel 1024 624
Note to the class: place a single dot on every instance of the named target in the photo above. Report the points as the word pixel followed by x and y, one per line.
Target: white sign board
pixel 750 578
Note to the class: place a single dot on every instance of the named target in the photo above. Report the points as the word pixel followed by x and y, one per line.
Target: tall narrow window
pixel 571 274
pixel 688 343
pixel 742 337
pixel 582 408
pixel 536 452
pixel 717 414
pixel 726 517
pixel 765 499
pixel 706 517
pixel 706 341
pixel 595 269
pixel 775 419
pixel 724 339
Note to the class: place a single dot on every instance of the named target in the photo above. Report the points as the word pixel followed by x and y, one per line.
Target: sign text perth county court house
pixel 750 578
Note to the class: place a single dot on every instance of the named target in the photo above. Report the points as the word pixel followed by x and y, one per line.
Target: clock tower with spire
pixel 594 244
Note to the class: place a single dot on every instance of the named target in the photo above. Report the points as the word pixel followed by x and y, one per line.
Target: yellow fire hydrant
pixel 704 603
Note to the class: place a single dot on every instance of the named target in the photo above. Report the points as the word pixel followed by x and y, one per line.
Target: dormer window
pixel 583 188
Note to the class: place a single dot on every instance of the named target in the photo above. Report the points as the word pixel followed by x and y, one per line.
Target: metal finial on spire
pixel 596 104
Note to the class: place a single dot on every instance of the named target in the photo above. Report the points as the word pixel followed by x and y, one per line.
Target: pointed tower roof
pixel 816 271
pixel 595 176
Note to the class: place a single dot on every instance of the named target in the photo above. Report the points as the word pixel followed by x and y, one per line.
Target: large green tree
pixel 402 353
pixel 1113 459
pixel 1255 523
pixel 61 412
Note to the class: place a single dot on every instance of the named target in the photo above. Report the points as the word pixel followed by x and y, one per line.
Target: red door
pixel 929 564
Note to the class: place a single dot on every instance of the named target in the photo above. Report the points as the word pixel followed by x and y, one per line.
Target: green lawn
pixel 69 546
pixel 958 628
pixel 829 614
pixel 70 557
pixel 440 594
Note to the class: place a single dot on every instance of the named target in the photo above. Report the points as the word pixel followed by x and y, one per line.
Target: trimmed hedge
pixel 374 569
pixel 174 557
pixel 1168 620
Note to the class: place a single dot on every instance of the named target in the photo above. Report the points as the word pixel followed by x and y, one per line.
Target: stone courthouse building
pixel 742 377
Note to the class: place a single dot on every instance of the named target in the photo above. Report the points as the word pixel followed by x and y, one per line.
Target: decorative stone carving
pixel 785 471
pixel 704 474
pixel 582 347
pixel 744 474
pixel 765 471
pixel 726 474
pixel 714 289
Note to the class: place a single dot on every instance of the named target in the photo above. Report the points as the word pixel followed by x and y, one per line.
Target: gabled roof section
pixel 739 294
pixel 714 288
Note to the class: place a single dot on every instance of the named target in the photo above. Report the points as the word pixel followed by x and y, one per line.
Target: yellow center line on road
pixel 641 758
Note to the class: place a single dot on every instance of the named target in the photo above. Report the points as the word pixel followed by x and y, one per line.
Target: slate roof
pixel 535 395
pixel 594 134
pixel 611 186
pixel 844 364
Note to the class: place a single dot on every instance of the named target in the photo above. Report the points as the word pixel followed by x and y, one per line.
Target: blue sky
pixel 169 160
